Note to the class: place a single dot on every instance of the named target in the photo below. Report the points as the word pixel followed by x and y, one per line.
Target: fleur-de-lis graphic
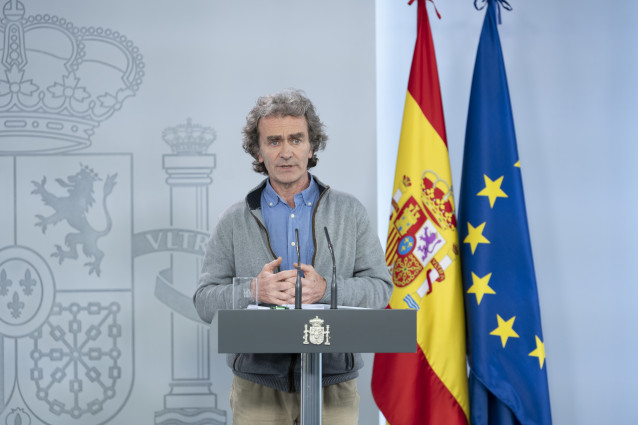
pixel 15 306
pixel 4 283
pixel 27 283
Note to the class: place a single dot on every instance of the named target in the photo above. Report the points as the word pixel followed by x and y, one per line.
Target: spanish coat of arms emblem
pixel 316 334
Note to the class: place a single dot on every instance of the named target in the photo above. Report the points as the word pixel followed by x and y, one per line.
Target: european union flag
pixel 508 379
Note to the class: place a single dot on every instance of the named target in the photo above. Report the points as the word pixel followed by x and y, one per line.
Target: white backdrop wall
pixel 120 347
pixel 571 67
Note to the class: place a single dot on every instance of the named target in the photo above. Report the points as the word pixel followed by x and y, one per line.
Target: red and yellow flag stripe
pixel 430 386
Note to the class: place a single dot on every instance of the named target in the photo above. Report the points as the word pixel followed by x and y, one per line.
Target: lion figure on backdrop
pixel 73 209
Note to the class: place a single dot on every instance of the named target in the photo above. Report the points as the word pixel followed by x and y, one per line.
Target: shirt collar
pixel 308 195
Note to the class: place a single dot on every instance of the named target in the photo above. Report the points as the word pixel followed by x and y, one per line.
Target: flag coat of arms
pixel 422 252
pixel 506 351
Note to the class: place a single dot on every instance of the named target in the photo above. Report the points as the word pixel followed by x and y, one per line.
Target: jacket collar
pixel 253 199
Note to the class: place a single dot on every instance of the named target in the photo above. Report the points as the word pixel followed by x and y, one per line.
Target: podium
pixel 312 332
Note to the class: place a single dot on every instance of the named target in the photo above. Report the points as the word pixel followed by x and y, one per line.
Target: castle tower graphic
pixel 188 169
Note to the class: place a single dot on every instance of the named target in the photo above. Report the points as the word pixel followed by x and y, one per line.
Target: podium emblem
pixel 316 334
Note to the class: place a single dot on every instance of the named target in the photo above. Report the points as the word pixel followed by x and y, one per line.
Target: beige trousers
pixel 255 404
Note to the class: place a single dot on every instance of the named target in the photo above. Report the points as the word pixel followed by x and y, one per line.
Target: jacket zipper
pixel 291 373
pixel 260 224
pixel 314 213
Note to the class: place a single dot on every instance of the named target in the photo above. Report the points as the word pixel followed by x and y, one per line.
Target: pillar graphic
pixel 188 169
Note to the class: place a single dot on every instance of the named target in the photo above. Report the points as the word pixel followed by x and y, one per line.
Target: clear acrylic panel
pixel 245 292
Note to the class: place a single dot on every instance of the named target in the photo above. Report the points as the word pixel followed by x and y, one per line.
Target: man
pixel 256 237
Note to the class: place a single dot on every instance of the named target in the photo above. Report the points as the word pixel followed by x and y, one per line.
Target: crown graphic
pixel 316 322
pixel 438 198
pixel 189 138
pixel 58 82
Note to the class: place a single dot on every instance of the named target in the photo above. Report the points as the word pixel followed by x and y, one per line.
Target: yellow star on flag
pixel 504 329
pixel 480 286
pixel 475 235
pixel 539 352
pixel 518 164
pixel 492 189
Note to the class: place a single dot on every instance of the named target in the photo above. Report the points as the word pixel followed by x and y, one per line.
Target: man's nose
pixel 286 151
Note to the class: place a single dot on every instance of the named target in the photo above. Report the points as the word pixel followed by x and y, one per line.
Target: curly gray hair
pixel 284 103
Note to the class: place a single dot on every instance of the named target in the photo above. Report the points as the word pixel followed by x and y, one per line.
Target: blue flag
pixel 508 378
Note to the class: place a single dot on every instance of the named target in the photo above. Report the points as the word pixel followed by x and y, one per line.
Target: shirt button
pixel 292 243
pixel 270 204
pixel 309 204
pixel 292 216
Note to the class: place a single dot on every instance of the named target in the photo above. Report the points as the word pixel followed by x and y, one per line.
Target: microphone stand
pixel 311 372
pixel 298 282
pixel 333 284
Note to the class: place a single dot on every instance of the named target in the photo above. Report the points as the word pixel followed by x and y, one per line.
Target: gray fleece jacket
pixel 239 246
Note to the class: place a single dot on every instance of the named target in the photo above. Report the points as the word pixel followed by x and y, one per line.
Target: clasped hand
pixel 279 288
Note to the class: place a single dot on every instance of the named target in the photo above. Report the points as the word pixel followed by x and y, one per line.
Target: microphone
pixel 333 284
pixel 298 283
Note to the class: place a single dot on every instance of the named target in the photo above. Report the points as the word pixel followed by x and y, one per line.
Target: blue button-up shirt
pixel 281 222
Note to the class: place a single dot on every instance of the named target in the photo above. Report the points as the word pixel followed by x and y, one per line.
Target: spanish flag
pixel 429 386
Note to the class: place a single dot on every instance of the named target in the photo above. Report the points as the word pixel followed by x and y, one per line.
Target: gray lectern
pixel 315 331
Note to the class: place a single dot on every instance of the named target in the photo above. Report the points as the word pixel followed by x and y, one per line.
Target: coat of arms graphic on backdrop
pixel 69 250
pixel 66 269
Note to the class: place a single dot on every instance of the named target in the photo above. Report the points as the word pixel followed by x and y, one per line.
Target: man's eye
pixel 296 141
pixel 274 143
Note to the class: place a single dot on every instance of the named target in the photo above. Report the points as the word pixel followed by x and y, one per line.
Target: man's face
pixel 284 149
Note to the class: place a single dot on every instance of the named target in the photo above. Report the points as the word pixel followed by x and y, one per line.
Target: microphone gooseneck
pixel 333 284
pixel 298 282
